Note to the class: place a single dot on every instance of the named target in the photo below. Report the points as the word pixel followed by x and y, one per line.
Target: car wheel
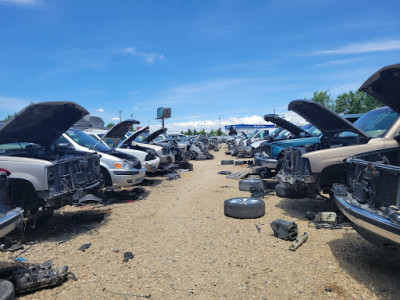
pixel 226 162
pixel 6 290
pixel 284 191
pixel 244 208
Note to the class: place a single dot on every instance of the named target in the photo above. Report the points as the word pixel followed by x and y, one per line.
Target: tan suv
pixel 308 170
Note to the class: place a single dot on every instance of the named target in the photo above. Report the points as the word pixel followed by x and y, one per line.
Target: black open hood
pixel 41 123
pixel 384 85
pixel 294 129
pixel 154 135
pixel 324 119
pixel 134 135
pixel 119 130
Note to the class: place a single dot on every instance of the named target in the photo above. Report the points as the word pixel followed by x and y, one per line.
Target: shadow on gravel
pixel 151 182
pixel 63 225
pixel 297 208
pixel 378 269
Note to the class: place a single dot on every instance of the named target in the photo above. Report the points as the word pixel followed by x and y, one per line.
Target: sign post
pixel 163 113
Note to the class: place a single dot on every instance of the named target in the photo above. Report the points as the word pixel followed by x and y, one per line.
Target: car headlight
pixel 121 165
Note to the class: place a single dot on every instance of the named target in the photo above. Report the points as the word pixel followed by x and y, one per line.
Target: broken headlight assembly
pixel 305 167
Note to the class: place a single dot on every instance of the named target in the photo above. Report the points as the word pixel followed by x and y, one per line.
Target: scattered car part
pixel 224 173
pixel 299 241
pixel 244 208
pixel 84 247
pixel 36 277
pixel 240 162
pixel 227 162
pixel 253 185
pixel 6 290
pixel 128 256
pixel 284 230
pixel 173 176
pixel 238 175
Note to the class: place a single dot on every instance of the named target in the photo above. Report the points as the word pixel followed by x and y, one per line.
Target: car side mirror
pixel 65 146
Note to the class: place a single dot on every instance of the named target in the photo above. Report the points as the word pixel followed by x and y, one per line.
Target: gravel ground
pixel 185 248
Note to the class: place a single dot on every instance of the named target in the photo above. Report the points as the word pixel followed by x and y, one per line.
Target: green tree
pixel 219 132
pixel 324 98
pixel 212 132
pixel 355 102
pixel 195 132
pixel 189 132
pixel 9 117
pixel 109 125
pixel 202 131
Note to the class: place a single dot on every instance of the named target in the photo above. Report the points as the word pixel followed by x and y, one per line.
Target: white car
pixel 133 141
pixel 118 169
pixel 112 138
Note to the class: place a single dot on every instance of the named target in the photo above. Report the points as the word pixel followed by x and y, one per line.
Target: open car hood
pixel 154 135
pixel 324 119
pixel 118 131
pixel 42 123
pixel 384 85
pixel 135 135
pixel 296 130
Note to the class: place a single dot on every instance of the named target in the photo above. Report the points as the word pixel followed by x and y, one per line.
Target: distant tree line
pixel 217 132
pixel 347 103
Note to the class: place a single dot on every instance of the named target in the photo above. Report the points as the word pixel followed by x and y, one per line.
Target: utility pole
pixel 120 119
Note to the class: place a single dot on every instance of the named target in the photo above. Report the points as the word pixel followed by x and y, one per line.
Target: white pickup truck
pixel 43 176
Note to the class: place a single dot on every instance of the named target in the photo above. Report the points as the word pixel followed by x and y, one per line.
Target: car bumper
pixel 269 163
pixel 245 150
pixel 152 165
pixel 124 178
pixel 371 226
pixel 307 185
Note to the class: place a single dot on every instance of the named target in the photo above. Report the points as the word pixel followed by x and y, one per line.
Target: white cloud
pixel 136 108
pixel 388 45
pixel 100 110
pixel 150 57
pixel 115 119
pixel 21 2
pixel 11 105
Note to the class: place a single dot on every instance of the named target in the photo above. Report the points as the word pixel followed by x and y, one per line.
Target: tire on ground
pixel 244 208
pixel 6 290
pixel 252 185
pixel 227 162
pixel 240 162
pixel 287 192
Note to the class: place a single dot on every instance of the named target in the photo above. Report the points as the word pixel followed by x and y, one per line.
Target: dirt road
pixel 185 248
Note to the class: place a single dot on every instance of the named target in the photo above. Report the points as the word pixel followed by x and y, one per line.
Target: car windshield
pixel 86 141
pixel 314 131
pixel 376 122
pixel 253 133
pixel 13 146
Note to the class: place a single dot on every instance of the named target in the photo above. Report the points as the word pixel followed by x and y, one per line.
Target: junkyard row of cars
pixel 355 159
pixel 46 163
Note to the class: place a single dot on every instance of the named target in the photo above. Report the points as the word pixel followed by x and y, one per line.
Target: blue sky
pixel 213 62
